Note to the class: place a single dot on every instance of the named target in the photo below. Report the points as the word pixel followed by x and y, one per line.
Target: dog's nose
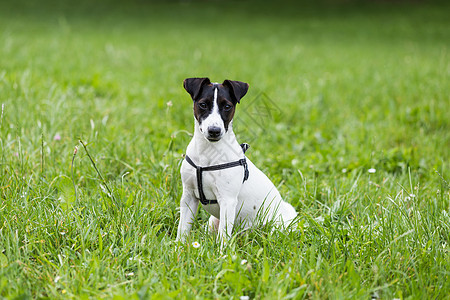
pixel 214 131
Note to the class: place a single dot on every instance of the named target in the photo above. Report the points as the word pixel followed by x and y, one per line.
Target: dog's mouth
pixel 211 139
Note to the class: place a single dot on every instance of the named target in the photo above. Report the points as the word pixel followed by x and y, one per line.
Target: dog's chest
pixel 209 182
pixel 215 184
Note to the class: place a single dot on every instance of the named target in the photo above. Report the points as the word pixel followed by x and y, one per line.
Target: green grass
pixel 348 86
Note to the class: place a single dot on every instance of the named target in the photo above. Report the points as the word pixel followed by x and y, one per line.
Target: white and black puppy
pixel 216 172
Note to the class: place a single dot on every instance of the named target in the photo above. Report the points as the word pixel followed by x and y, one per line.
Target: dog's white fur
pixel 238 202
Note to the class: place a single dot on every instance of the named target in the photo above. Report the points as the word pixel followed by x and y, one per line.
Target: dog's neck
pixel 207 153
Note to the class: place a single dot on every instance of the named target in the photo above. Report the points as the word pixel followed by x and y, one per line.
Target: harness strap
pixel 241 162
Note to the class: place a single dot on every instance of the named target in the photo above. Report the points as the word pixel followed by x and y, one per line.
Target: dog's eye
pixel 203 105
pixel 227 107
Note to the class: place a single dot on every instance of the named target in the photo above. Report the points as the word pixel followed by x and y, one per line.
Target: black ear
pixel 194 86
pixel 238 89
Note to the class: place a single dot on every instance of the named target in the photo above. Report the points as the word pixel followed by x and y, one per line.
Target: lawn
pixel 347 113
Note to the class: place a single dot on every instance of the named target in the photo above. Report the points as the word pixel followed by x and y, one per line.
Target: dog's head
pixel 214 104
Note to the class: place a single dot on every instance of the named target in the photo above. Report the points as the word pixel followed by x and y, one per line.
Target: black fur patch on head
pixel 237 89
pixel 194 85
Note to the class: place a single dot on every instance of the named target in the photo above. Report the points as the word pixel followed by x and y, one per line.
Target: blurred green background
pixel 336 88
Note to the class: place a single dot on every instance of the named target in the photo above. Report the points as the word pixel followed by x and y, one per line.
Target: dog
pixel 216 172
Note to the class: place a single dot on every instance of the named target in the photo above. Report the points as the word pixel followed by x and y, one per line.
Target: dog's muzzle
pixel 214 133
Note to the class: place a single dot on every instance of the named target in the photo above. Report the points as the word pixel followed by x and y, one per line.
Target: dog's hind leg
pixel 288 214
pixel 213 224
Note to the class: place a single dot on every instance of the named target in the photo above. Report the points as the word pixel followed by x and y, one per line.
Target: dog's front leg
pixel 188 212
pixel 227 218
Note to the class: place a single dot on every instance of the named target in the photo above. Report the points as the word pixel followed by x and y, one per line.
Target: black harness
pixel 241 162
